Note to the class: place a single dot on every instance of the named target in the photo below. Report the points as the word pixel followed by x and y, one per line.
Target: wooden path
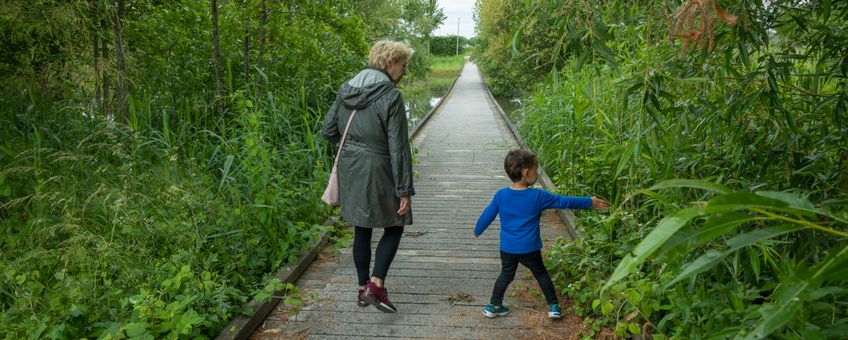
pixel 442 276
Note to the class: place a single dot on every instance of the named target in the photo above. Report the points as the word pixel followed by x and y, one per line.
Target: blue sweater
pixel 520 211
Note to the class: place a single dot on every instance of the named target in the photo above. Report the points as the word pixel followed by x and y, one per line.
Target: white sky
pixel 453 9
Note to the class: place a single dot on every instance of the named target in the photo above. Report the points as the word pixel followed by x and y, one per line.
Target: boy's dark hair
pixel 516 161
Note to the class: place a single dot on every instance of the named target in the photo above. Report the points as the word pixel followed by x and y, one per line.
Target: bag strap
pixel 344 135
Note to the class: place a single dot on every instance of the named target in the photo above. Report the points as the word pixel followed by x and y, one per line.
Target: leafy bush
pixel 122 233
pixel 165 220
pixel 448 45
pixel 745 105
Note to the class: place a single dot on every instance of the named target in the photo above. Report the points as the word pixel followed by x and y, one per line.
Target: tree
pixel 121 90
pixel 446 45
pixel 216 56
pixel 423 17
pixel 263 22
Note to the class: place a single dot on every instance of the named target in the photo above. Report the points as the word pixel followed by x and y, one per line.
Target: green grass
pixel 443 71
pixel 445 67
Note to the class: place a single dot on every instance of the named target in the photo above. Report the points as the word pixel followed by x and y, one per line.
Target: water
pixel 419 100
pixel 510 107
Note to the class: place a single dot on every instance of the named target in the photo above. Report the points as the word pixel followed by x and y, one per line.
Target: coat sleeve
pixel 330 130
pixel 399 152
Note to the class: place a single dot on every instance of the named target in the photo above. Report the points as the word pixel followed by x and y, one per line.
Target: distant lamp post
pixel 457 36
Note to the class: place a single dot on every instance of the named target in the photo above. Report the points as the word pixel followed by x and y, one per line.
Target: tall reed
pixel 624 115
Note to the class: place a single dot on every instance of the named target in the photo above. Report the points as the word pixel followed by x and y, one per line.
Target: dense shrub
pixel 449 45
pixel 754 106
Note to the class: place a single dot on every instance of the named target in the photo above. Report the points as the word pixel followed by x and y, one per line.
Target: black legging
pixel 386 250
pixel 534 262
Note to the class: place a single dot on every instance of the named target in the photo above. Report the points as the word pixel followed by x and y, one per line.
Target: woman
pixel 375 165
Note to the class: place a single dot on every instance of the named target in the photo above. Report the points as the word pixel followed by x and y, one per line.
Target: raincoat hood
pixel 365 88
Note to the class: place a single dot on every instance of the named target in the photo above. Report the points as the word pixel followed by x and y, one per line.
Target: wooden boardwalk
pixel 442 276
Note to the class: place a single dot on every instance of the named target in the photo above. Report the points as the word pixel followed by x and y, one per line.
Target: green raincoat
pixel 375 165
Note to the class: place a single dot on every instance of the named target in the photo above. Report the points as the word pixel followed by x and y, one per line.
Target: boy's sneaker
pixel 379 297
pixel 492 311
pixel 554 312
pixel 359 301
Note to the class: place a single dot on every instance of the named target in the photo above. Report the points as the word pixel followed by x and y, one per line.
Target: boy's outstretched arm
pixel 486 217
pixel 550 200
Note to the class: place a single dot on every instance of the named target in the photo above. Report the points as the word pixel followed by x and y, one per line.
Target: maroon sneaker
pixel 379 297
pixel 359 301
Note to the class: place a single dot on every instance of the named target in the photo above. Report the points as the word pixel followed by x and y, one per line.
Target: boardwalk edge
pixel 566 215
pixel 242 326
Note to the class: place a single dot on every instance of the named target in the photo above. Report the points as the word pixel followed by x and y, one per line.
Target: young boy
pixel 520 208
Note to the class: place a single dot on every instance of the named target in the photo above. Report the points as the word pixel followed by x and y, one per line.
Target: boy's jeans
pixel 533 261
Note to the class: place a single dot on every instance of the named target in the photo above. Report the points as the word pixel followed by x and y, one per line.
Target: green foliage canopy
pixel 449 45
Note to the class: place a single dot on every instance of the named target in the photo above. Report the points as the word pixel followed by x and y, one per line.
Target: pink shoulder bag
pixel 331 194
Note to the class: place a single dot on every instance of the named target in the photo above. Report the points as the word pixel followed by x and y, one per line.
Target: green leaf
pixel 291 300
pixel 136 329
pixel 633 328
pixel 722 334
pixel 799 205
pixel 633 297
pixel 695 79
pixel 743 54
pixel 665 229
pixel 187 321
pixel 262 296
pixel 714 226
pixel 657 105
pixel 601 48
pixel 702 263
pixel 712 257
pixel 76 310
pixel 791 199
pixel 719 224
pixel 774 317
pixel 625 157
pixel 754 259
pixel 825 7
pixel 690 183
pixel 746 239
pixel 839 274
pixel 741 201
pixel 225 172
pixel 516 40
pixel 824 291
pixel 788 296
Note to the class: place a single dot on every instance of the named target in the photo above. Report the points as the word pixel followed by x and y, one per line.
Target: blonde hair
pixel 385 51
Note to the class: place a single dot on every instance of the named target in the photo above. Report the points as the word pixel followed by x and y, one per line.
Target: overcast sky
pixel 453 9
